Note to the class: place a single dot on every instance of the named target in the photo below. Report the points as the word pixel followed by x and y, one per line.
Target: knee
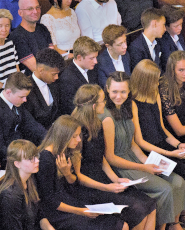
pixel 178 182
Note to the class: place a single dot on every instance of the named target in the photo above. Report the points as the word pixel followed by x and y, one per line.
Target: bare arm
pixel 63 51
pixel 144 144
pixel 17 67
pixel 109 135
pixel 88 182
pixel 30 63
pixel 176 125
pixel 172 2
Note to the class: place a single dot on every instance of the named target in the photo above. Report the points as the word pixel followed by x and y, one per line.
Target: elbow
pixel 179 133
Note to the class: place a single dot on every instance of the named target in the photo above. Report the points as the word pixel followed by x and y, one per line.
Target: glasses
pixel 33 159
pixel 31 9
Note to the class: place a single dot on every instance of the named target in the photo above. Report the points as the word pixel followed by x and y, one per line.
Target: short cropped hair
pixel 150 14
pixel 18 81
pixel 6 14
pixel 172 14
pixel 111 33
pixel 84 46
pixel 50 58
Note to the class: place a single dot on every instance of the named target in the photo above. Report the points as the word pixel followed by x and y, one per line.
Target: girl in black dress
pixel 94 172
pixel 58 185
pixel 172 92
pixel 18 196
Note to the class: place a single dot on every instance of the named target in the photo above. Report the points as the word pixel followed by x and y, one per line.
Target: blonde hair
pixel 18 150
pixel 112 32
pixel 144 81
pixel 84 46
pixel 86 96
pixel 6 14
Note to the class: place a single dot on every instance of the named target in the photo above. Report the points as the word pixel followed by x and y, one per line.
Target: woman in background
pixel 172 92
pixel 94 172
pixel 18 196
pixel 8 55
pixel 61 21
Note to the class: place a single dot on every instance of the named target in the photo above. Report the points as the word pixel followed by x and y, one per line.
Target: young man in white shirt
pixel 81 71
pixel 94 15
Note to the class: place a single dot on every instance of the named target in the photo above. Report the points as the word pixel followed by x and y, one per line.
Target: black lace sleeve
pixel 167 107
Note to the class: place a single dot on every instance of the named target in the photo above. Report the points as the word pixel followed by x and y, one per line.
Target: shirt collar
pixel 175 38
pixel 119 57
pixel 39 82
pixel 5 100
pixel 13 0
pixel 149 43
pixel 80 69
pixel 95 4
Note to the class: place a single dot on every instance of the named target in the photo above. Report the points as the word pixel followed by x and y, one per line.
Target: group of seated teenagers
pixel 95 121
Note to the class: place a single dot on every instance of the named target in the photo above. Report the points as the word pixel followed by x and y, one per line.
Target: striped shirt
pixel 8 60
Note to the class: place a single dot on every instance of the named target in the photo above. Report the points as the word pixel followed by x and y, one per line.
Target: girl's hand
pixel 88 214
pixel 177 153
pixel 123 180
pixel 64 165
pixel 115 187
pixel 152 168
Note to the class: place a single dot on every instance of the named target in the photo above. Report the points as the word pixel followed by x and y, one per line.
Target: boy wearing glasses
pixel 115 57
pixel 30 37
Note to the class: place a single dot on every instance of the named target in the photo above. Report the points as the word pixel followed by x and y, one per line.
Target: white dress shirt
pixel 151 46
pixel 10 105
pixel 44 89
pixel 118 64
pixel 177 43
pixel 82 71
pixel 93 17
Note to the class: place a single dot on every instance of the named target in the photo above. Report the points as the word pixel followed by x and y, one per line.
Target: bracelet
pixel 178 145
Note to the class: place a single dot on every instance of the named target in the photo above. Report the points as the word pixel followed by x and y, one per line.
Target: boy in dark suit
pixel 172 39
pixel 145 46
pixel 15 121
pixel 115 57
pixel 43 102
pixel 82 70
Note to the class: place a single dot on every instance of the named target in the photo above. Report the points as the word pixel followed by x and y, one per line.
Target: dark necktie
pixel 17 118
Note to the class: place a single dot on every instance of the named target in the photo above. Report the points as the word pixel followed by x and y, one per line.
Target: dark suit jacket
pixel 38 107
pixel 27 129
pixel 70 81
pixel 168 46
pixel 139 50
pixel 106 66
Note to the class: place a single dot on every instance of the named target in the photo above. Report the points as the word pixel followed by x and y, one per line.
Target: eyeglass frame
pixel 31 9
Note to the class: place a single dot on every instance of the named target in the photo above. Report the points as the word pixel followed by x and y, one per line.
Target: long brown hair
pixel 87 96
pixel 170 78
pixel 144 81
pixel 18 150
pixel 59 136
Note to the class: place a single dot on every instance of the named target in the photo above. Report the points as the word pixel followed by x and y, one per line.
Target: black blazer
pixel 27 129
pixel 70 81
pixel 38 107
pixel 139 50
pixel 168 46
pixel 106 66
